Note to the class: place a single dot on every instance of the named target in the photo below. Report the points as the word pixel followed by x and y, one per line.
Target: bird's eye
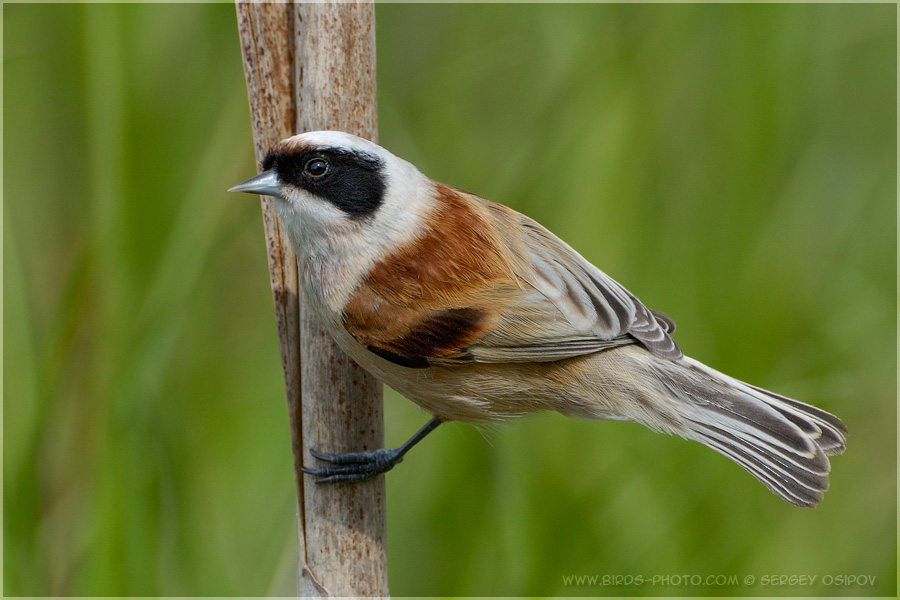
pixel 317 167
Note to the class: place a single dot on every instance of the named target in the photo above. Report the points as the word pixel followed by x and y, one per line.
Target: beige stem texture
pixel 310 67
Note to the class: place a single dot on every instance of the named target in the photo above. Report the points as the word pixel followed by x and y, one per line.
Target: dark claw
pixel 349 458
pixel 354 466
pixel 345 478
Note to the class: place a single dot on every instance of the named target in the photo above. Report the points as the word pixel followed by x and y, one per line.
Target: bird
pixel 478 314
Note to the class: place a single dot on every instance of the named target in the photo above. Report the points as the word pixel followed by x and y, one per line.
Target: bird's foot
pixel 354 466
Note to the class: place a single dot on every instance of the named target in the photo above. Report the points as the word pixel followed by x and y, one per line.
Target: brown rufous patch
pixel 436 295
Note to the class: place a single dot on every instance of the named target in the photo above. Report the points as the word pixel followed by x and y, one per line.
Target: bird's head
pixel 330 184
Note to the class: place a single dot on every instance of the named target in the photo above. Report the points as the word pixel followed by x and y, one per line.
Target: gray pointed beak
pixel 266 183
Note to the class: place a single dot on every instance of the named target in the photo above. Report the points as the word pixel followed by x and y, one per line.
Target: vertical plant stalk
pixel 311 67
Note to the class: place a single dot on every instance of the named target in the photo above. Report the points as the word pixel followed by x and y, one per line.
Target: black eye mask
pixel 352 181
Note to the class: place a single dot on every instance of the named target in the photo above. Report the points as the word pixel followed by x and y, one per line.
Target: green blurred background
pixel 732 165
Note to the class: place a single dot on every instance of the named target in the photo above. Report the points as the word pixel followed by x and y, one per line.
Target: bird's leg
pixel 356 466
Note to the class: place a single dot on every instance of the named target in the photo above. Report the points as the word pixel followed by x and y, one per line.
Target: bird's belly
pixel 461 393
pixel 476 393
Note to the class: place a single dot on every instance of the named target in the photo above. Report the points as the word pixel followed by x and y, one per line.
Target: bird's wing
pixel 485 284
pixel 589 298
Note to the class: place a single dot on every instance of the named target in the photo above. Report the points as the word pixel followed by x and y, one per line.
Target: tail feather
pixel 832 432
pixel 782 442
pixel 781 482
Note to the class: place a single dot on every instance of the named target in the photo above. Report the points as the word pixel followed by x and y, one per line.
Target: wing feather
pixel 533 329
pixel 589 298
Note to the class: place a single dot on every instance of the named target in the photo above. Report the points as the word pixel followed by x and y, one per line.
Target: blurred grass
pixel 733 165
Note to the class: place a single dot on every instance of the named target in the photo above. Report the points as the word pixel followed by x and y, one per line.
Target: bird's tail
pixel 780 441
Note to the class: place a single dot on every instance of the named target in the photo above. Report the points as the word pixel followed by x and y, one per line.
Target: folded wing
pixel 589 299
